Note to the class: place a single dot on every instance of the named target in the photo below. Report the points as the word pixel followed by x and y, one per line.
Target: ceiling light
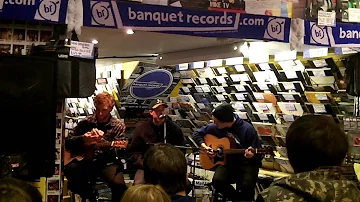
pixel 235 47
pixel 160 58
pixel 95 41
pixel 244 49
pixel 129 31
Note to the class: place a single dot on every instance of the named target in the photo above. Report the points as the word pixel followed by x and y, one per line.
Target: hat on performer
pixel 157 103
pixel 224 113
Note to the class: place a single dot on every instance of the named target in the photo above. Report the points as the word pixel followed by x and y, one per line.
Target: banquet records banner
pixel 41 10
pixel 113 14
pixel 343 35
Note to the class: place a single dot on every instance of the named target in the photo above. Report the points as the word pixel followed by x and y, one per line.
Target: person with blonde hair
pixel 145 193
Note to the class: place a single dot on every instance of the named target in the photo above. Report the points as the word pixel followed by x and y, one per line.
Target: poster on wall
pixel 146 83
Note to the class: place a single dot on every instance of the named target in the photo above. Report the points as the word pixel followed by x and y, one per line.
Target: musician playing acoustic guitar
pixel 111 132
pixel 241 169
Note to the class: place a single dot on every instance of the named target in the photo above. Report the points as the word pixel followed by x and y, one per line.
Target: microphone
pixel 162 116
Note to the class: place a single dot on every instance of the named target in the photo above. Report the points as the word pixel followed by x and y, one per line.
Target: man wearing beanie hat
pixel 242 169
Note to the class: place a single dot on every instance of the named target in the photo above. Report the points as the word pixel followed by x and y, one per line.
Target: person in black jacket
pixel 160 129
pixel 241 169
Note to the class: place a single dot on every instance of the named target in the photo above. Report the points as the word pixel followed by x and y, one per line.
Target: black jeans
pixel 245 178
pixel 82 176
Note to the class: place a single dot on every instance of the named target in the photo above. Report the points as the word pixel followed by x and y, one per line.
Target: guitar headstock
pixel 266 150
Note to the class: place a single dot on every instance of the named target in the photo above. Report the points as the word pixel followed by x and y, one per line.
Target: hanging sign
pixel 117 14
pixel 151 84
pixel 41 10
pixel 343 35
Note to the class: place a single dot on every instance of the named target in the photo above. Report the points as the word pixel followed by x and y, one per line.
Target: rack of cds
pixel 270 94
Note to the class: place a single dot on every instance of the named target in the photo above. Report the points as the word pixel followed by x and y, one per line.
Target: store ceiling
pixel 116 43
pixel 146 45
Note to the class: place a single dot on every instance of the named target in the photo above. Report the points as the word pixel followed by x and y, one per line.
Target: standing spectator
pixel 316 147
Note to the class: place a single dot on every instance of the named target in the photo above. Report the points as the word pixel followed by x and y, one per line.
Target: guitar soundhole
pixel 220 152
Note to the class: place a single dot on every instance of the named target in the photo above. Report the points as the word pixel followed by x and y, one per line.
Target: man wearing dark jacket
pixel 240 169
pixel 160 129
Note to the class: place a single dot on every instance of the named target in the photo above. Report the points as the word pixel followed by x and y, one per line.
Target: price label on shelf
pixel 201 105
pixel 239 68
pixel 240 106
pixel 288 86
pixel 202 80
pixel 90 111
pixel 354 14
pixel 288 118
pixel 263 86
pixel 81 49
pixel 263 107
pixel 240 96
pixel 264 66
pixel 290 107
pixel 319 108
pixel 259 96
pixel 242 116
pixel 240 88
pixel 220 97
pixel 290 74
pixel 263 117
pixel 321 97
pixel 173 99
pixel 81 111
pixel 288 97
pixel 326 18
pixel 319 73
pixel 244 77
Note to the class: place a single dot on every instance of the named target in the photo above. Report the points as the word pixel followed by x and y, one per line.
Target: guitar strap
pixel 230 135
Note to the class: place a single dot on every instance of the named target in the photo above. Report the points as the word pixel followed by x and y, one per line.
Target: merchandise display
pixel 269 95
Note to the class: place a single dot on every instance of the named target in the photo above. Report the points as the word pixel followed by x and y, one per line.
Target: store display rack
pixel 269 95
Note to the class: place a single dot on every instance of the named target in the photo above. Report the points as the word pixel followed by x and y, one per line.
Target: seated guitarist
pixel 113 132
pixel 240 169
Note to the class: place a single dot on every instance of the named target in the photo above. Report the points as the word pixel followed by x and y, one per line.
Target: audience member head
pixel 315 141
pixel 14 190
pixel 145 193
pixel 166 165
pixel 104 103
pixel 223 116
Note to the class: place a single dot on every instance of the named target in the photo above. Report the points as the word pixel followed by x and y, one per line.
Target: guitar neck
pixel 103 144
pixel 234 151
pixel 242 151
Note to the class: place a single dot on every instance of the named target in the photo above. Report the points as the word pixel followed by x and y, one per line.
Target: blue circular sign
pixel 151 84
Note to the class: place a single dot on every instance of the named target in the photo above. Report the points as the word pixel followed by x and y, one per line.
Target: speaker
pixel 28 108
pixel 76 77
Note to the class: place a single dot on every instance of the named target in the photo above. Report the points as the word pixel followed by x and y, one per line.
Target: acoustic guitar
pixel 222 147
